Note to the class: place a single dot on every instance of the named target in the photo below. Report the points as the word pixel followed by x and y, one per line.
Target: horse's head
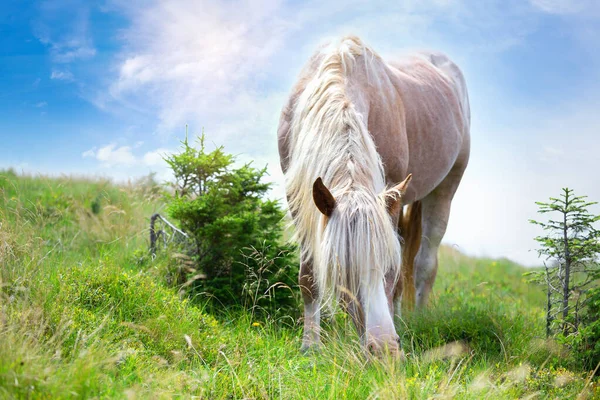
pixel 358 251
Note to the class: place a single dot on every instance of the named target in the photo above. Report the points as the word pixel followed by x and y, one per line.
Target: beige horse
pixel 354 126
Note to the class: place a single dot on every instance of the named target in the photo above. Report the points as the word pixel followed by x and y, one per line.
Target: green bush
pixel 236 233
pixel 586 341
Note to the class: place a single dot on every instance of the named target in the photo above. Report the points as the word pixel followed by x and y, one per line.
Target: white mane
pixel 357 245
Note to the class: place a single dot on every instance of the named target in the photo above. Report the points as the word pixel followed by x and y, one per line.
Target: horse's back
pixel 437 118
pixel 428 73
pixel 446 66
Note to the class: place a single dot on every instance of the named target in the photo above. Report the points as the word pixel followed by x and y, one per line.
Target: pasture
pixel 85 313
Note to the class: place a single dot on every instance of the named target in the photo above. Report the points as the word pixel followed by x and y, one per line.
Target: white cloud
pixel 63 26
pixel 566 6
pixel 127 163
pixel 41 104
pixel 111 155
pixel 549 153
pixel 64 75
pixel 155 157
pixel 71 51
pixel 91 153
pixel 211 56
pixel 206 56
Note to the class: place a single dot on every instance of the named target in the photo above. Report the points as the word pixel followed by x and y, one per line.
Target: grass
pixel 85 313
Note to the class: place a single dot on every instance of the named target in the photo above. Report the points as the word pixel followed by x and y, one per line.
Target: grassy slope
pixel 84 314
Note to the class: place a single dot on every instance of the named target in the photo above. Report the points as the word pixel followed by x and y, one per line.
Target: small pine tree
pixel 224 210
pixel 570 249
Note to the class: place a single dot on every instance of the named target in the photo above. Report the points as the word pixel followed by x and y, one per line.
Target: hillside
pixel 84 312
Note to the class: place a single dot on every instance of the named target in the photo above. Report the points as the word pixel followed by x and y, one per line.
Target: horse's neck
pixel 360 168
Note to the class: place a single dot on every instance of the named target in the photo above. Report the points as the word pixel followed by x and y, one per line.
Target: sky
pixel 106 88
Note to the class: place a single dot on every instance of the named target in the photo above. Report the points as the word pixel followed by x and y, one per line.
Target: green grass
pixel 85 313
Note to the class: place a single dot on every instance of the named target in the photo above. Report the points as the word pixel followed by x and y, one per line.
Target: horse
pixel 349 134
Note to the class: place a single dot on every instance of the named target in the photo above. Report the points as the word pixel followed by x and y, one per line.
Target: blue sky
pixel 104 88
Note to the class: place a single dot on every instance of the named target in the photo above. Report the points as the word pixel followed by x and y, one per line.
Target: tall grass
pixel 85 313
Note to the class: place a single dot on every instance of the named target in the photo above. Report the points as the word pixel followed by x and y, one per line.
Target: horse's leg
pixel 395 298
pixel 436 211
pixel 312 312
pixel 392 288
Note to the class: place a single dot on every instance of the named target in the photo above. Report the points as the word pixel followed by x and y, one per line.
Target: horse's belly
pixel 431 162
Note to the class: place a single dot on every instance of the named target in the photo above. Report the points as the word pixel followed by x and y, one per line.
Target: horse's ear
pixel 402 186
pixel 393 196
pixel 323 198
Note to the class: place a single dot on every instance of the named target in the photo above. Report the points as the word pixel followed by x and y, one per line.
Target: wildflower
pixel 256 324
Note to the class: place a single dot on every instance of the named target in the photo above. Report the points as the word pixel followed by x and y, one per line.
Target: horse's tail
pixel 410 230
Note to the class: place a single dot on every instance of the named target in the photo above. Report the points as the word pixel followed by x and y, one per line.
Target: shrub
pixel 571 274
pixel 586 343
pixel 233 229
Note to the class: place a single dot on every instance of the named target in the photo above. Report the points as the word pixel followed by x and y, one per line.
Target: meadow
pixel 86 313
